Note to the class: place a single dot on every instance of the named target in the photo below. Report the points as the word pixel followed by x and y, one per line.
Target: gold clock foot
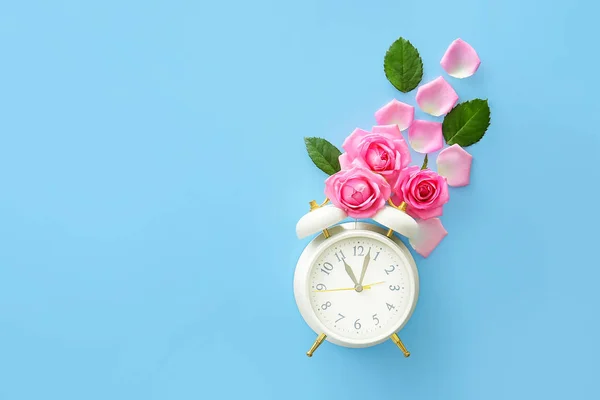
pixel 399 343
pixel 390 233
pixel 316 344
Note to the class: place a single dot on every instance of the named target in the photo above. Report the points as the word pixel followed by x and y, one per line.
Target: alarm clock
pixel 356 284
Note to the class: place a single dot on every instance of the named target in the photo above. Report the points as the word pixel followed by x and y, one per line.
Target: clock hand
pixel 372 284
pixel 334 290
pixel 365 265
pixel 366 287
pixel 350 273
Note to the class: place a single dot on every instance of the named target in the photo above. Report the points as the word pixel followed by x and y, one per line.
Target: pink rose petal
pixel 454 163
pixel 351 144
pixel 426 136
pixel 344 160
pixel 392 129
pixel 460 60
pixel 395 112
pixel 436 97
pixel 429 235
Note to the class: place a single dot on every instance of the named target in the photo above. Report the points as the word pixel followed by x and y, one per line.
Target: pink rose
pixel 358 191
pixel 424 192
pixel 383 151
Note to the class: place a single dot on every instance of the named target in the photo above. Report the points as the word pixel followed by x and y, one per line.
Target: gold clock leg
pixel 316 344
pixel 401 207
pixel 399 343
pixel 314 206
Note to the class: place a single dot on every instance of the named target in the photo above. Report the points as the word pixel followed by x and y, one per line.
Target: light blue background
pixel 152 170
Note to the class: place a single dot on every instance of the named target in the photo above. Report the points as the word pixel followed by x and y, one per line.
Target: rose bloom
pixel 424 192
pixel 383 151
pixel 358 191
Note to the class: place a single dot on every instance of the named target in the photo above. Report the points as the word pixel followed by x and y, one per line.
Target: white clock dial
pixel 361 310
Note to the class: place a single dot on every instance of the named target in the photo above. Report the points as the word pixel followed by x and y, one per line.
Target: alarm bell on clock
pixel 356 284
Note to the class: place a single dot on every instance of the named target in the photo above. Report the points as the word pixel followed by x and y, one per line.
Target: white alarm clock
pixel 356 284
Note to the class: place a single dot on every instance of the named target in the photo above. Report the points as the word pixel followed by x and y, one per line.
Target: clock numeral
pixel 390 306
pixel 392 288
pixel 340 256
pixel 391 270
pixel 360 251
pixel 320 286
pixel 326 305
pixel 328 267
pixel 340 318
pixel 357 324
pixel 376 255
pixel 375 319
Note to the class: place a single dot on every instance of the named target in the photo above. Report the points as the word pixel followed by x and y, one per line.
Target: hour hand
pixel 350 272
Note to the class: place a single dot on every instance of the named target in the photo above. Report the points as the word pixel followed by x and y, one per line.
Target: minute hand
pixel 365 265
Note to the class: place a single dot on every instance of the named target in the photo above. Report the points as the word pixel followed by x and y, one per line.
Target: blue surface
pixel 152 171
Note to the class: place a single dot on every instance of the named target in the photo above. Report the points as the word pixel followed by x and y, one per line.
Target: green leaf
pixel 403 65
pixel 323 154
pixel 466 123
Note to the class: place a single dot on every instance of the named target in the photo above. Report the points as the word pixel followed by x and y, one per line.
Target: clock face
pixel 373 308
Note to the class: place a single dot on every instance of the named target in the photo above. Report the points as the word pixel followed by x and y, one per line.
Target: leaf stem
pixel 425 162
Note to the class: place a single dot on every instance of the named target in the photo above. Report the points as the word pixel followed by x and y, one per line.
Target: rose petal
pixel 426 136
pixel 344 160
pixel 436 97
pixel 460 60
pixel 392 130
pixel 454 163
pixel 395 112
pixel 429 235
pixel 352 141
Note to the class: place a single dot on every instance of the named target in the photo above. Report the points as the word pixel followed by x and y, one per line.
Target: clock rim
pixel 303 268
